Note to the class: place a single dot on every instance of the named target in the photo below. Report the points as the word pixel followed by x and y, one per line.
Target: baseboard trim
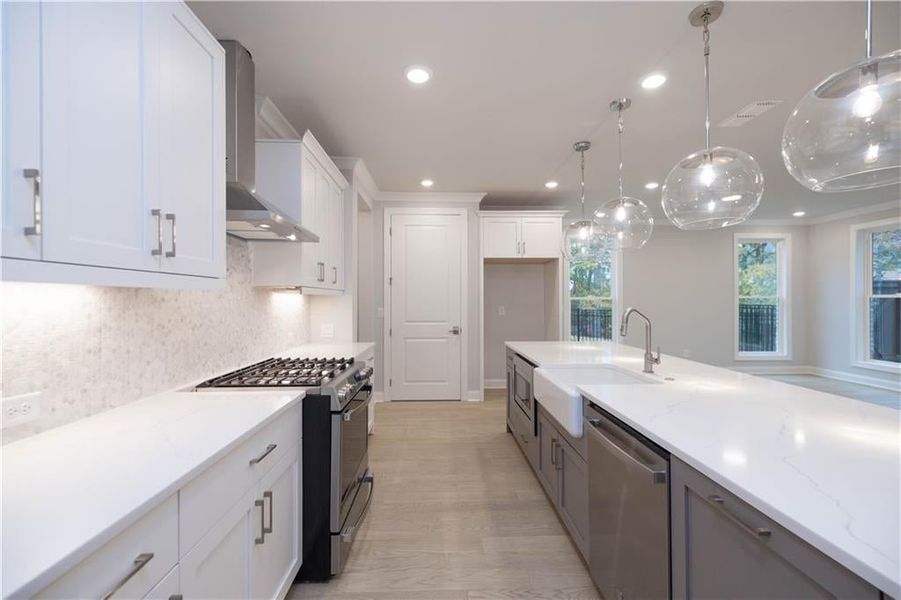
pixel 495 384
pixel 820 372
pixel 858 379
pixel 473 396
pixel 378 397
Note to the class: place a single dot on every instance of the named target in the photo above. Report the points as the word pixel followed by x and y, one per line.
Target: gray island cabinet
pixel 724 548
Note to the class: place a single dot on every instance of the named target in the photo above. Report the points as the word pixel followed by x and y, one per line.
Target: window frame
pixel 615 296
pixel 862 291
pixel 783 296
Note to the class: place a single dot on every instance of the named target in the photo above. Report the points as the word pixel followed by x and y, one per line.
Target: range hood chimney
pixel 248 215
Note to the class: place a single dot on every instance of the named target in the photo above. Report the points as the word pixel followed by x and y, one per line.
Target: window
pixel 761 307
pixel 591 297
pixel 878 294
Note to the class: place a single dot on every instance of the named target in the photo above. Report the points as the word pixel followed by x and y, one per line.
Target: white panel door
pixel 272 562
pixel 501 237
pixel 21 127
pixel 94 206
pixel 542 237
pixel 426 302
pixel 191 123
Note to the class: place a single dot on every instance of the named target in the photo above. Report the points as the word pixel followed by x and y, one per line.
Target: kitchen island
pixel 824 467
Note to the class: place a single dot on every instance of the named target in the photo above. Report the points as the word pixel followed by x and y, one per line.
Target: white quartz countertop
pixel 825 467
pixel 69 490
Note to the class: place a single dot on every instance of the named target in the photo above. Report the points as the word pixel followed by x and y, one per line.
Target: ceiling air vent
pixel 754 109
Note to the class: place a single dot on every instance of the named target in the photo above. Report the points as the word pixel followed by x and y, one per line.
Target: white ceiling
pixel 515 84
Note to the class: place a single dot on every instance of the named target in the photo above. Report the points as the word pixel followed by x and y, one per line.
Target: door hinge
pixel 391 281
pixel 390 332
pixel 390 382
pixel 391 231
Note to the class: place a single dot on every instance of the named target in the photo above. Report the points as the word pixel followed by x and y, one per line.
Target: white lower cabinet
pixel 129 565
pixel 254 550
pixel 251 548
pixel 168 588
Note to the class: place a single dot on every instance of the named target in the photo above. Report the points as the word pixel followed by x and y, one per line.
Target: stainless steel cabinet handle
pixel 455 330
pixel 554 452
pixel 259 459
pixel 262 537
pixel 268 495
pixel 335 275
pixel 347 535
pixel 720 502
pixel 171 217
pixel 139 563
pixel 523 247
pixel 159 232
pixel 176 597
pixel 657 473
pixel 558 462
pixel 35 176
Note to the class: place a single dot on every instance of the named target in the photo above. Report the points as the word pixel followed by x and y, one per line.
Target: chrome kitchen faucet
pixel 649 359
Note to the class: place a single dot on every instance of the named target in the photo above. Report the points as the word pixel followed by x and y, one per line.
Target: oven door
pixel 354 439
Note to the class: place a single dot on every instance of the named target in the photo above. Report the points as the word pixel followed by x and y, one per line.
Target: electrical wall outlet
pixel 380 313
pixel 501 311
pixel 686 353
pixel 20 409
pixel 327 331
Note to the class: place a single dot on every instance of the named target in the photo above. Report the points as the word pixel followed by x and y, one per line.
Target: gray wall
pixel 472 275
pixel 830 288
pixel 520 289
pixel 684 282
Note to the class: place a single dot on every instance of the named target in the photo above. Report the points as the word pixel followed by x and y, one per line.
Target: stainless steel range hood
pixel 248 215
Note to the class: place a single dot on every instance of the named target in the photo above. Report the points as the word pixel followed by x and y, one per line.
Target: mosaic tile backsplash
pixel 89 349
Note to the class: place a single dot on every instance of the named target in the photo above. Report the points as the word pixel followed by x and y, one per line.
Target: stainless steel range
pixel 337 482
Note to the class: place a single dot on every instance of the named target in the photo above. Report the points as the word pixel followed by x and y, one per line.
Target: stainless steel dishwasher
pixel 628 522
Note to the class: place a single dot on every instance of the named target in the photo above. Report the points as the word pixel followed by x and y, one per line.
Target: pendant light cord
pixel 869 28
pixel 706 82
pixel 582 154
pixel 620 130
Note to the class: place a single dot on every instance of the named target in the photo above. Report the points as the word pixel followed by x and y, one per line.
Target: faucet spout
pixel 649 359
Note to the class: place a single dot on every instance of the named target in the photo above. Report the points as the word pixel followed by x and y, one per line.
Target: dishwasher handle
pixel 657 473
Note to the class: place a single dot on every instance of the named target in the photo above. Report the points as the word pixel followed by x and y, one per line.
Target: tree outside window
pixel 884 314
pixel 591 298
pixel 759 296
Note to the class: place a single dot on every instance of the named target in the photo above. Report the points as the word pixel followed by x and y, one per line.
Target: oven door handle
pixel 350 414
pixel 348 534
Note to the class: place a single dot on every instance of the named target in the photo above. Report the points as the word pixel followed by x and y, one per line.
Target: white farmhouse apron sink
pixel 556 388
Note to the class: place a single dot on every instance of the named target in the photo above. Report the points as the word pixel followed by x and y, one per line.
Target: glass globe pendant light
pixel 582 240
pixel 845 134
pixel 625 222
pixel 714 187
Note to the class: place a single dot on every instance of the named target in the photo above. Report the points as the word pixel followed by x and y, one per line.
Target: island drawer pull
pixel 269 496
pixel 262 506
pixel 139 563
pixel 719 502
pixel 259 459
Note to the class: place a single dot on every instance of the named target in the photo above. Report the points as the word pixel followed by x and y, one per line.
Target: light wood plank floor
pixel 856 391
pixel 457 514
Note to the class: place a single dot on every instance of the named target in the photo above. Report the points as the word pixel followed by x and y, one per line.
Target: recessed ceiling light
pixel 551 184
pixel 651 185
pixel 418 74
pixel 653 81
pixel 426 183
pixel 798 213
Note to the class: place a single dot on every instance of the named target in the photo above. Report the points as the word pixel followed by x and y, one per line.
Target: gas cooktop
pixel 283 372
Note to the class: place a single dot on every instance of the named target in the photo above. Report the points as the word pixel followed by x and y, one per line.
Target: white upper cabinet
pixel 299 177
pixel 519 234
pixel 542 237
pixel 191 133
pixel 115 144
pixel 501 236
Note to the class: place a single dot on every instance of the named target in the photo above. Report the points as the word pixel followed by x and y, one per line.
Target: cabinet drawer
pixel 206 498
pixel 723 547
pixel 124 560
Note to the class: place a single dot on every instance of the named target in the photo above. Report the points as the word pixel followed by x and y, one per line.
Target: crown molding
pixel 431 197
pixel 855 212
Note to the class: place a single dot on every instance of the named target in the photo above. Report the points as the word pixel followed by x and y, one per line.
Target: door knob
pixel 455 330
